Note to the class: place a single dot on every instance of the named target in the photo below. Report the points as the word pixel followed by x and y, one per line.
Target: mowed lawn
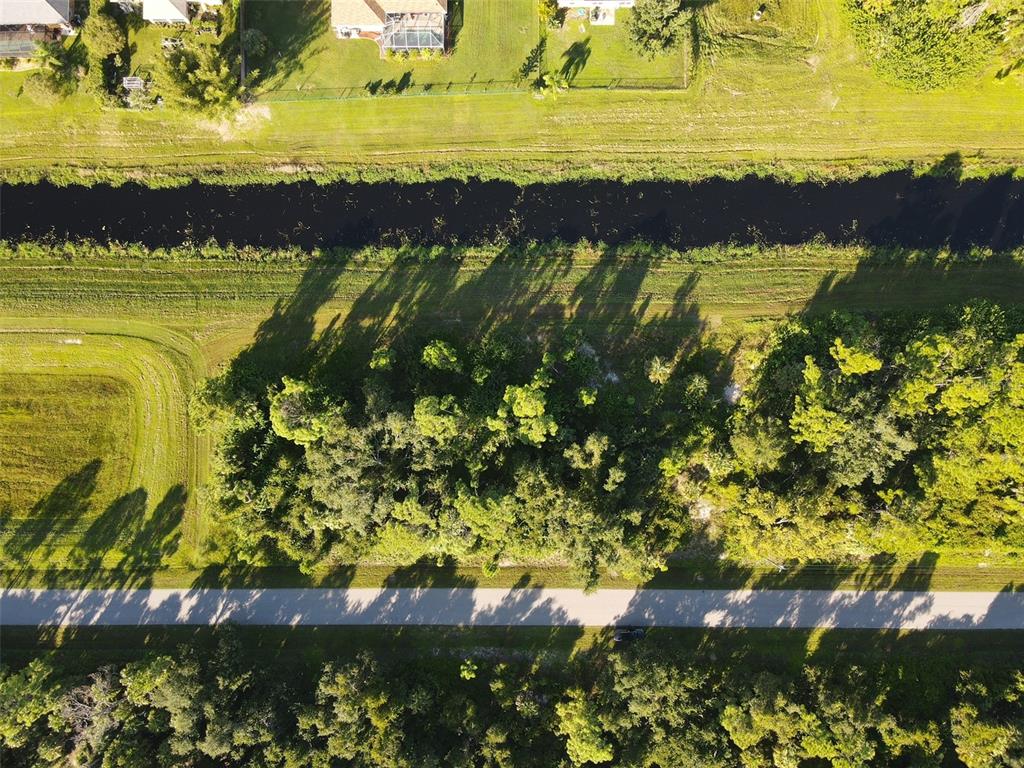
pixel 790 95
pixel 96 459
pixel 65 441
pixel 491 41
pixel 596 55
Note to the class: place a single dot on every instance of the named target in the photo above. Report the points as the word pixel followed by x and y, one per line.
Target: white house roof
pixel 414 6
pixel 371 13
pixel 356 13
pixel 20 12
pixel 163 10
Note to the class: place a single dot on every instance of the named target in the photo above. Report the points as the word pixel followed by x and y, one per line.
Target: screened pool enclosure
pixel 413 31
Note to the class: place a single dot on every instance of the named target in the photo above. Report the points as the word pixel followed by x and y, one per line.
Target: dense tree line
pixel 516 446
pixel 891 436
pixel 654 704
pixel 852 437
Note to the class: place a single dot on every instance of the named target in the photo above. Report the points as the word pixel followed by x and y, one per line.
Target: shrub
pixel 254 43
pixel 657 26
pixel 924 45
pixel 41 89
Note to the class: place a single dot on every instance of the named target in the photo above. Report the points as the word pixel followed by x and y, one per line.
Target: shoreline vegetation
pixel 979 164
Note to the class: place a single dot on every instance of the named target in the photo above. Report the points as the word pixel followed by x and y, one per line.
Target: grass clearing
pixel 98 459
pixel 491 41
pixel 592 55
pixel 47 423
pixel 178 317
pixel 790 96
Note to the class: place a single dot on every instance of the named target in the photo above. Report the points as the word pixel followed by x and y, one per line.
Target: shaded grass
pixel 48 425
pixel 303 651
pixel 694 574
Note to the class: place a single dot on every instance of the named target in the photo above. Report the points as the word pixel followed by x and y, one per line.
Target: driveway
pixel 516 607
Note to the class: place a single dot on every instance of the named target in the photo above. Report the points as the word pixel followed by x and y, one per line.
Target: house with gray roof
pixel 44 13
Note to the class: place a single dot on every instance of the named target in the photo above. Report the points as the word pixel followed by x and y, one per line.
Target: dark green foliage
pixel 658 26
pixel 855 437
pixel 925 44
pixel 105 40
pixel 254 42
pixel 204 71
pixel 884 436
pixel 655 703
pixel 516 446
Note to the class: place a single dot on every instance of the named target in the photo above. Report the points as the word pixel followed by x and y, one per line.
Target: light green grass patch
pixel 589 55
pixel 62 437
pixel 145 46
pixel 790 95
pixel 97 460
pixel 488 44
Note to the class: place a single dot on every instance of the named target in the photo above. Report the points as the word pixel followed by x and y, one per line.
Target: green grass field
pixel 590 55
pixel 179 318
pixel 48 422
pixel 97 460
pixel 306 60
pixel 790 96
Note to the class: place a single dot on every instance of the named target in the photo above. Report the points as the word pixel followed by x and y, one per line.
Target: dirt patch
pixel 243 121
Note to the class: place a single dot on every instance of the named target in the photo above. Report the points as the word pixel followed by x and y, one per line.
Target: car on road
pixel 626 634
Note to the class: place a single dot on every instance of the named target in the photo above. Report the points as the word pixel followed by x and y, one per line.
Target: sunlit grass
pixel 97 462
pixel 790 95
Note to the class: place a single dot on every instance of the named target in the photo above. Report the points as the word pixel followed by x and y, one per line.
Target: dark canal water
pixel 895 208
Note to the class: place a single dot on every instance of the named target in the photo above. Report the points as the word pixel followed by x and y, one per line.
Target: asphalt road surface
pixel 515 607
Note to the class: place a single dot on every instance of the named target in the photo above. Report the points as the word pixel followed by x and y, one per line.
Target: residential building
pixel 43 13
pixel 397 25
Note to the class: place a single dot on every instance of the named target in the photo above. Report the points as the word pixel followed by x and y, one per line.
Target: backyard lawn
pixel 589 55
pixel 490 42
pixel 144 44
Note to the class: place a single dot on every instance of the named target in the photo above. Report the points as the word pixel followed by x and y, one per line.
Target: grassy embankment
pixel 790 96
pixel 180 318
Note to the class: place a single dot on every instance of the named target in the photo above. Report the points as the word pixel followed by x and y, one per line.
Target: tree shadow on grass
pixel 530 70
pixel 455 22
pixel 143 541
pixel 600 295
pixel 575 59
pixel 293 31
pixel 52 519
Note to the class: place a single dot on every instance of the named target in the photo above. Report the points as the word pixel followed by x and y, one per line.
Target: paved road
pixel 523 607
